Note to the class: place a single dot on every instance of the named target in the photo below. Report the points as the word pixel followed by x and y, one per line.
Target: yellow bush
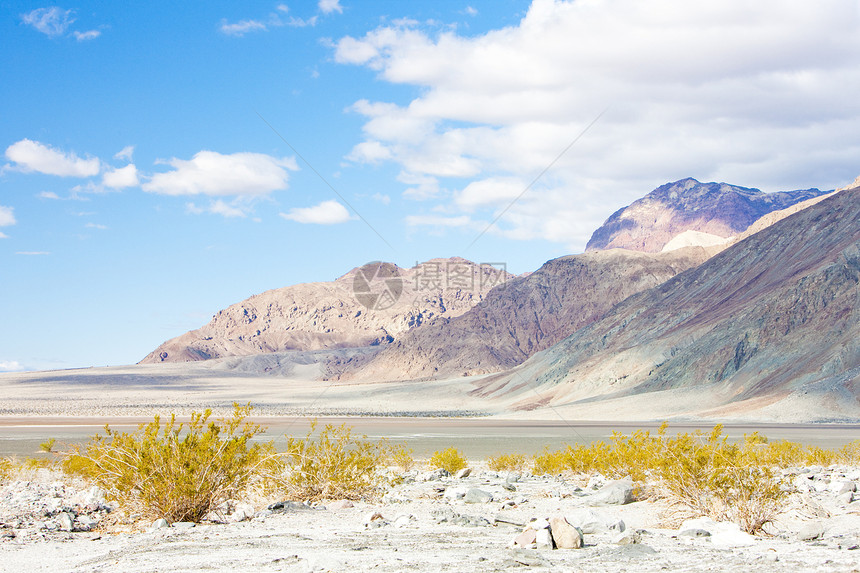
pixel 6 466
pixel 705 473
pixel 401 456
pixel 450 460
pixel 334 466
pixel 507 462
pixel 179 472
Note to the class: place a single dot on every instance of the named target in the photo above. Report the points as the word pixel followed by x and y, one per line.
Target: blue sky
pixel 142 187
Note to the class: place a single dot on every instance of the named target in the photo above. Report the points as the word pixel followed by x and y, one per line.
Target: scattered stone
pixel 463 473
pixel 159 523
pixel 509 486
pixel 86 523
pixel 565 535
pixel 543 539
pixel 810 531
pixel 241 512
pixel 513 477
pixel 694 532
pixel 526 538
pixel 590 521
pixel 629 537
pixel 619 492
pixel 183 525
pixel 845 498
pixel 285 506
pixel 475 495
pixel 455 493
pixel 340 504
pixel 403 520
pixel 66 521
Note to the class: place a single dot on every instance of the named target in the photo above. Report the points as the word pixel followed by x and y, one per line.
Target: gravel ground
pixel 426 524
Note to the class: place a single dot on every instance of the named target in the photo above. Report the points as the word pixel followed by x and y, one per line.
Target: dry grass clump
pixel 507 462
pixel 450 460
pixel 336 465
pixel 177 471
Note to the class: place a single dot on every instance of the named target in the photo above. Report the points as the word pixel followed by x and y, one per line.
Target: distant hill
pixel 770 325
pixel 716 209
pixel 526 315
pixel 326 315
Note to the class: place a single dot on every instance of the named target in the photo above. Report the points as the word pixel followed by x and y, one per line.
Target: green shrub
pixel 336 465
pixel 48 445
pixel 179 472
pixel 450 460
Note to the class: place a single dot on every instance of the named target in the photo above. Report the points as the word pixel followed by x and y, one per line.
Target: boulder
pixel 810 531
pixel 66 521
pixel 475 495
pixel 526 538
pixel 543 539
pixel 590 521
pixel 619 492
pixel 463 473
pixel 565 535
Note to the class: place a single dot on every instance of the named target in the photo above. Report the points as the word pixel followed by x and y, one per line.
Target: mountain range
pixel 710 298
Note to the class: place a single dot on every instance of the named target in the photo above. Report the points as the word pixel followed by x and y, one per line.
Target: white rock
pixel 543 538
pixel 463 473
pixel 455 493
pixel 66 521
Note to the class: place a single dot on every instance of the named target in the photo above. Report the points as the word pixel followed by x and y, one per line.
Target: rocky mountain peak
pixel 718 209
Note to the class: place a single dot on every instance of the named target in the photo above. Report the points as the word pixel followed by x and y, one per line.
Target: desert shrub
pixel 336 465
pixel 507 462
pixel 48 445
pixel 705 473
pixel 850 453
pixel 450 460
pixel 6 467
pixel 177 471
pixel 401 456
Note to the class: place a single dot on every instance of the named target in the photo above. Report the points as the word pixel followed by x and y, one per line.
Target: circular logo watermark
pixel 377 285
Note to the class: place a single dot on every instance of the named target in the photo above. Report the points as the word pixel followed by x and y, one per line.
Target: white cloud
pixel 98 226
pixel 7 216
pixel 369 152
pixel 329 6
pixel 33 253
pixel 88 35
pixel 215 174
pixel 48 195
pixel 382 198
pixel 121 178
pixel 30 156
pixel 10 366
pixel 126 153
pixel 4 236
pixel 52 22
pixel 218 207
pixel 471 11
pixel 326 213
pixel 241 28
pixel 754 93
